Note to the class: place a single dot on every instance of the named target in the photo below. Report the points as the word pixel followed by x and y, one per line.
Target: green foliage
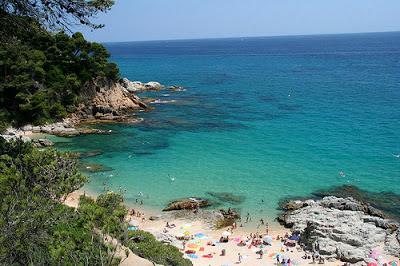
pixel 54 13
pixel 37 229
pixel 41 73
pixel 145 245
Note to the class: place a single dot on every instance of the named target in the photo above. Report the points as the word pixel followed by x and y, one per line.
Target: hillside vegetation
pixel 41 73
pixel 37 229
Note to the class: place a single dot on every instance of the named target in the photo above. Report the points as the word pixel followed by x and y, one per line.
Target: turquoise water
pixel 262 118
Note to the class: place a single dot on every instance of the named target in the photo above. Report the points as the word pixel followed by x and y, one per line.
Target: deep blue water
pixel 262 118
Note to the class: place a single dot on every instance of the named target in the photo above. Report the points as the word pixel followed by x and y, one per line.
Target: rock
pixel 27 128
pixel 153 85
pixel 93 167
pixel 340 227
pixel 36 129
pixel 164 238
pixel 187 204
pixel 227 197
pixel 392 243
pixel 68 132
pixel 42 143
pixel 87 154
pixel 45 129
pixel 214 218
pixel 137 86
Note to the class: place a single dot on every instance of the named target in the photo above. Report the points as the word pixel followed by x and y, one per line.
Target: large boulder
pixel 340 228
pixel 39 143
pixel 187 203
pixel 137 86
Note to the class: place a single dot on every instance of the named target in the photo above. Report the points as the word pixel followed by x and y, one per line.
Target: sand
pixel 249 255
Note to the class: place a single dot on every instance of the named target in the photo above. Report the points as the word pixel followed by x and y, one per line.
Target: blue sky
pixel 134 20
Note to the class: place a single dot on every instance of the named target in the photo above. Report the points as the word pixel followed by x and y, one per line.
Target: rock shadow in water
pixel 227 197
pixel 87 154
pixel 93 168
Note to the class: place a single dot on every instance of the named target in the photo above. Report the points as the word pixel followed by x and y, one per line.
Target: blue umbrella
pixel 293 237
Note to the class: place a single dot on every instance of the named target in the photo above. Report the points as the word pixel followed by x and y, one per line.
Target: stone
pixel 27 128
pixel 68 132
pixel 187 203
pixel 214 218
pixel 227 197
pixel 45 129
pixel 340 227
pixel 43 142
pixel 36 129
pixel 153 85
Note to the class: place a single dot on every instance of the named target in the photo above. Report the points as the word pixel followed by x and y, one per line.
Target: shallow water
pixel 261 118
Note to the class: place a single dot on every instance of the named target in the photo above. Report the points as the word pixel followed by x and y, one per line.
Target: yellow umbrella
pixel 187 233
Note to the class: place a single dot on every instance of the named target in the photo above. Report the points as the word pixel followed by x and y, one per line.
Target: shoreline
pixel 214 253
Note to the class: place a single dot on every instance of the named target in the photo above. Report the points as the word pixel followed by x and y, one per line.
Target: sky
pixel 140 20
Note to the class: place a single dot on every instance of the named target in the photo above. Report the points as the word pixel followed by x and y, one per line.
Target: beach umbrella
pixel 132 228
pixel 293 237
pixel 244 238
pixel 285 257
pixel 180 235
pixel 369 260
pixel 192 245
pixel 267 239
pixel 393 263
pixel 226 233
pixel 296 262
pixel 187 233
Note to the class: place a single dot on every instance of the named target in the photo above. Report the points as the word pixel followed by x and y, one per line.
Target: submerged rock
pixel 187 203
pixel 227 197
pixel 87 154
pixel 93 167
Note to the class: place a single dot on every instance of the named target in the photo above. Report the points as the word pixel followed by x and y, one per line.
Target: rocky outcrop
pixel 215 218
pixel 106 101
pixel 187 203
pixel 341 228
pixel 40 143
pixel 11 136
pixel 137 86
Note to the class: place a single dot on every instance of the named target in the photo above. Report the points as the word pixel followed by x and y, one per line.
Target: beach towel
pixel 194 256
pixel 207 256
pixel 200 235
pixel 250 246
pixel 272 255
pixel 201 248
pixel 237 239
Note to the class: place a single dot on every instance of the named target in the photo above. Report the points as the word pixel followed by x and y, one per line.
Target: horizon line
pixel 242 37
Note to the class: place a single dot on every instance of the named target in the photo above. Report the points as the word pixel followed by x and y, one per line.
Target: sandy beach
pixel 206 254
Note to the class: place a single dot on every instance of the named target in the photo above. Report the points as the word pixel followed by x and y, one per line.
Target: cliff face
pixel 106 100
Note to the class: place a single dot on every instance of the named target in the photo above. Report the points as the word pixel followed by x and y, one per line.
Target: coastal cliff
pixel 106 100
pixel 341 228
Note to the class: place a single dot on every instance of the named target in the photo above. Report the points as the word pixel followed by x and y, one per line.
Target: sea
pixel 258 120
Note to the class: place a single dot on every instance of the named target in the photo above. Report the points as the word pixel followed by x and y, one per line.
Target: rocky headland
pixel 106 101
pixel 341 228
